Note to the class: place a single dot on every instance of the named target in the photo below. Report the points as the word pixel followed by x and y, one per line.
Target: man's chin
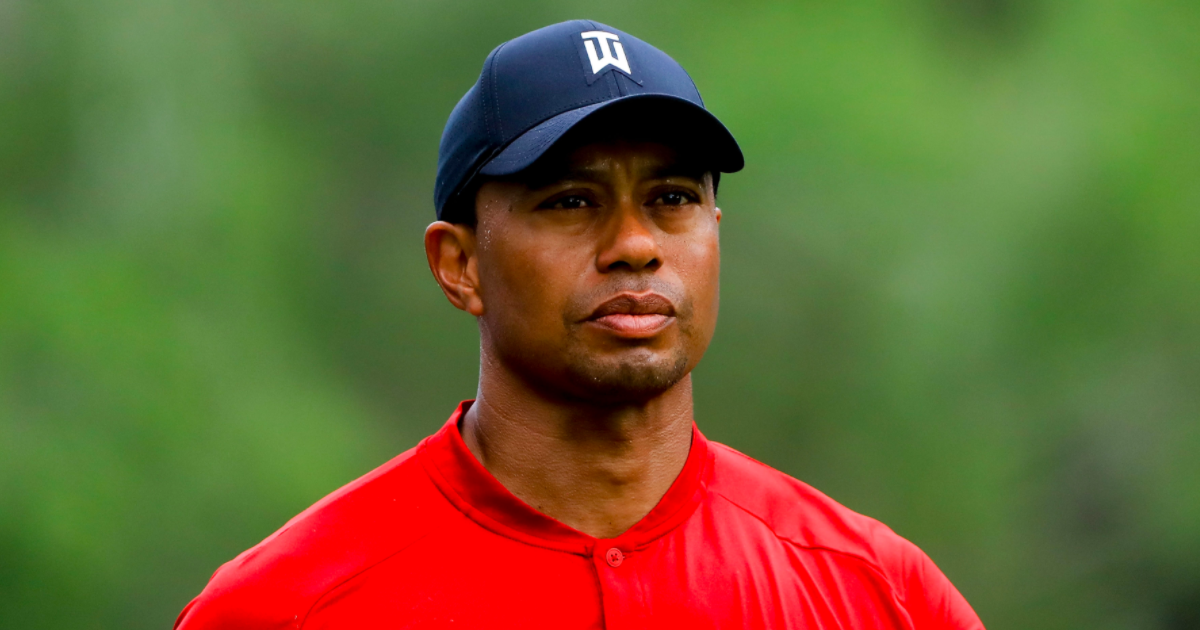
pixel 626 382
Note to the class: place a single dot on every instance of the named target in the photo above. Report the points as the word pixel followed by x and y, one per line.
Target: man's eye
pixel 567 203
pixel 675 198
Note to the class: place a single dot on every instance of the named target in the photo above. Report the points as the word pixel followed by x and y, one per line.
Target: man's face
pixel 599 279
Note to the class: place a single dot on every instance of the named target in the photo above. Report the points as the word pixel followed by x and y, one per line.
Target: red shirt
pixel 432 540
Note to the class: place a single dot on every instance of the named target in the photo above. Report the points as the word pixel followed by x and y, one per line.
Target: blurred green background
pixel 961 279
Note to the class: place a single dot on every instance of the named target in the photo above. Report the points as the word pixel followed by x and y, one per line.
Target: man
pixel 576 194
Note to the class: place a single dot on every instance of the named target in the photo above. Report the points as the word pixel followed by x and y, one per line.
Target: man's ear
pixel 450 248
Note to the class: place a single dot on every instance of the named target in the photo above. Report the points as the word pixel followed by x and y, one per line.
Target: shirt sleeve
pixel 931 600
pixel 228 603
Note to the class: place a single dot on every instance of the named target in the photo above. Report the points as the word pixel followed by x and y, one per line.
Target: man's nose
pixel 630 241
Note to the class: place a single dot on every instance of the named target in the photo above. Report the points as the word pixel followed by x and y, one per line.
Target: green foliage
pixel 961 280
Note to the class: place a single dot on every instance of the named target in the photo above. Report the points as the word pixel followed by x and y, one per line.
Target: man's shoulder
pixel 806 518
pixel 845 540
pixel 274 583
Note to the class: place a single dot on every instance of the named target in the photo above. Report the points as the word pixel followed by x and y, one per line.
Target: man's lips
pixel 634 315
pixel 634 325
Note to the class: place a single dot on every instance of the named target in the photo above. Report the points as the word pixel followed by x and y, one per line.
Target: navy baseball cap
pixel 535 88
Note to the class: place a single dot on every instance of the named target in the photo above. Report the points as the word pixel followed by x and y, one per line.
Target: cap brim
pixel 523 151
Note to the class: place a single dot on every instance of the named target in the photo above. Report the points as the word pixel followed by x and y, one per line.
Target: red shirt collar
pixel 479 495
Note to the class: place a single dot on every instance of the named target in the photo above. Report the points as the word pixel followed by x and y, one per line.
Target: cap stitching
pixel 487 125
pixel 496 94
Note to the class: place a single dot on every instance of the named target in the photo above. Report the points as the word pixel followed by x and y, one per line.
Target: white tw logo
pixel 615 57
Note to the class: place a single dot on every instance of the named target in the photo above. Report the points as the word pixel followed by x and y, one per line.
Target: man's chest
pixel 702 575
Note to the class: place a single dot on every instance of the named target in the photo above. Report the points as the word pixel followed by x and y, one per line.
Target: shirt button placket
pixel 617 585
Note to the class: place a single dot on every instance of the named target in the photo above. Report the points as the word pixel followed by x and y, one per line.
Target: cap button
pixel 614 557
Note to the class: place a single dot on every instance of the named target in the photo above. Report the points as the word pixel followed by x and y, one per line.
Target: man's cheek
pixel 538 303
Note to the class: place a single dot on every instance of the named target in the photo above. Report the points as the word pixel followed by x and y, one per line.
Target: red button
pixel 614 557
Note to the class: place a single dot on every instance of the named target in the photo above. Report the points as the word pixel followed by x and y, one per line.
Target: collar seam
pixel 481 518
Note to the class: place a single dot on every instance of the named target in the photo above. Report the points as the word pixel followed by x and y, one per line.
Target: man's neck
pixel 598 470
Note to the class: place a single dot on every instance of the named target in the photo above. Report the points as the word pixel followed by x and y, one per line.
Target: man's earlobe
pixel 450 250
pixel 718 215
